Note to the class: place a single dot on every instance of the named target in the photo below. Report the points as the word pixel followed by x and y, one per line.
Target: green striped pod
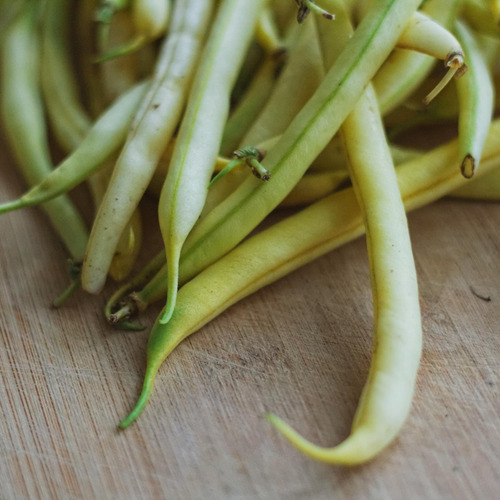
pixel 475 102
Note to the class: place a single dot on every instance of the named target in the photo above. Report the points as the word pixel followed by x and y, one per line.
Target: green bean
pixel 278 250
pixel 68 118
pixel 116 77
pixel 404 71
pixel 201 129
pixel 154 126
pixel 102 141
pixel 476 102
pixel 24 123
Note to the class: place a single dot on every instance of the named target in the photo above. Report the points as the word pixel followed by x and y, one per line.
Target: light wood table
pixel 299 348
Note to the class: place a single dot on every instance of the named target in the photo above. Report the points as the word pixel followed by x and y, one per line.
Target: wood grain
pixel 299 348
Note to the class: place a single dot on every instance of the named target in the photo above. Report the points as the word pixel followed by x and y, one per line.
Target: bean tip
pixel 165 317
pixel 468 166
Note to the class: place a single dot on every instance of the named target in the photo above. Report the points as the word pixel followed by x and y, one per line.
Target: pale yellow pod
pixel 151 17
pixel 405 70
pixel 425 35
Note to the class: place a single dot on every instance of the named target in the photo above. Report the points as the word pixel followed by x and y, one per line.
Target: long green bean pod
pixel 24 122
pixel 115 78
pixel 198 142
pixel 152 129
pixel 68 118
pixel 290 244
pixel 476 102
pixel 104 138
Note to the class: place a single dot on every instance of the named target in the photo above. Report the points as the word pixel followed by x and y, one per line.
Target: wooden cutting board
pixel 299 348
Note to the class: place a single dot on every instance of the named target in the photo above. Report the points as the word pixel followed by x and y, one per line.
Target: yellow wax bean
pixel 198 142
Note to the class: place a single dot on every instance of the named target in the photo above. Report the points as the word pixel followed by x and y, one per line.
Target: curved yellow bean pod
pixel 387 395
